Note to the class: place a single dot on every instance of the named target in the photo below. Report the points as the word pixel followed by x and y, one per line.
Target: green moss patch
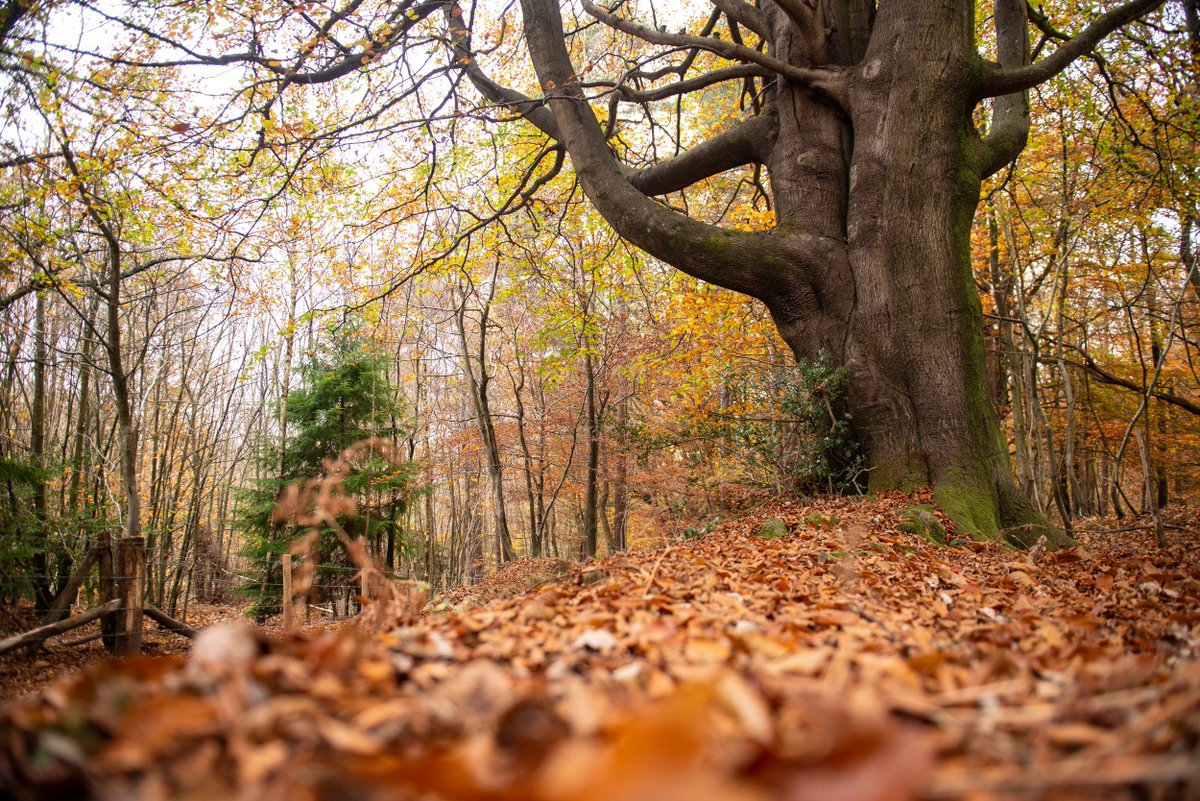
pixel 921 520
pixel 772 529
pixel 817 520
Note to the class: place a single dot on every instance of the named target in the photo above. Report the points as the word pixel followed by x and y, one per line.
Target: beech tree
pixel 866 129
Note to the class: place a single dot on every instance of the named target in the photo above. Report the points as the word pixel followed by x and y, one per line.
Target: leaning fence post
pixel 131 557
pixel 288 609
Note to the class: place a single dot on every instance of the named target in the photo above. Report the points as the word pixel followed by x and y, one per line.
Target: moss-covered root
pixel 920 521
pixel 999 514
pixel 1024 524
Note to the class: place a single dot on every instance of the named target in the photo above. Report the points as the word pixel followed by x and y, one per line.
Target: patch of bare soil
pixel 843 661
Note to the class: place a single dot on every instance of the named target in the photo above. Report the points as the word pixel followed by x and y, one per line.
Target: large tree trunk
pixel 908 324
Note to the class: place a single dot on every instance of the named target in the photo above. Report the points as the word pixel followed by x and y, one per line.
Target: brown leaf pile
pixel 844 662
pixel 511 579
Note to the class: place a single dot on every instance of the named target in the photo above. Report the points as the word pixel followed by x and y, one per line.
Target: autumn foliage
pixel 847 661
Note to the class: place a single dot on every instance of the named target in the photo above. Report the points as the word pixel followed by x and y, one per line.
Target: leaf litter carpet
pixel 846 661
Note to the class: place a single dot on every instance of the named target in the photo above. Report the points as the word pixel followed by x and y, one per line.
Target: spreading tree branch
pixel 531 109
pixel 1009 130
pixel 745 143
pixel 740 145
pixel 828 80
pixel 735 260
pixel 999 80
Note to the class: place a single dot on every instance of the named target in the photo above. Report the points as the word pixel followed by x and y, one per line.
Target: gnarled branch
pixel 744 14
pixel 732 259
pixel 741 145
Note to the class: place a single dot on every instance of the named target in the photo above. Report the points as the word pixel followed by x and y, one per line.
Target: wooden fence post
pixel 131 557
pixel 288 609
pixel 108 589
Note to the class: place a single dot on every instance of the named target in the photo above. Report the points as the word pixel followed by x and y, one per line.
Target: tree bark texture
pixel 875 166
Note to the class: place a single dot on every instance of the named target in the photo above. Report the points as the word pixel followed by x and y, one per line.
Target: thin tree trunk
pixel 535 524
pixel 128 436
pixel 620 482
pixel 37 450
pixel 590 501
pixel 478 386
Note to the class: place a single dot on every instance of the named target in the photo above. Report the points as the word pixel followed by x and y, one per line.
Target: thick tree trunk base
pixel 996 513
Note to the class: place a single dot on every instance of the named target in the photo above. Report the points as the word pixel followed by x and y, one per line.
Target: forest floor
pixel 844 661
pixel 59 656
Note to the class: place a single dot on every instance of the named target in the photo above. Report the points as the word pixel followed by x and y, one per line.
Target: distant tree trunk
pixel 1156 414
pixel 78 459
pixel 539 475
pixel 126 429
pixel 1187 250
pixel 37 449
pixel 478 386
pixel 620 480
pixel 289 343
pixel 535 523
pixel 1013 358
pixel 431 540
pixel 602 517
pixel 1069 484
pixel 589 511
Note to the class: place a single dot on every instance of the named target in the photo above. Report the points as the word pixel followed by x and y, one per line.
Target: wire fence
pixel 338 596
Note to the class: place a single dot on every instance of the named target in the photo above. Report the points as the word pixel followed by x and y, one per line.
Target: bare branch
pixel 828 80
pixel 626 92
pixel 52 281
pixel 33 158
pixel 1105 377
pixel 744 14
